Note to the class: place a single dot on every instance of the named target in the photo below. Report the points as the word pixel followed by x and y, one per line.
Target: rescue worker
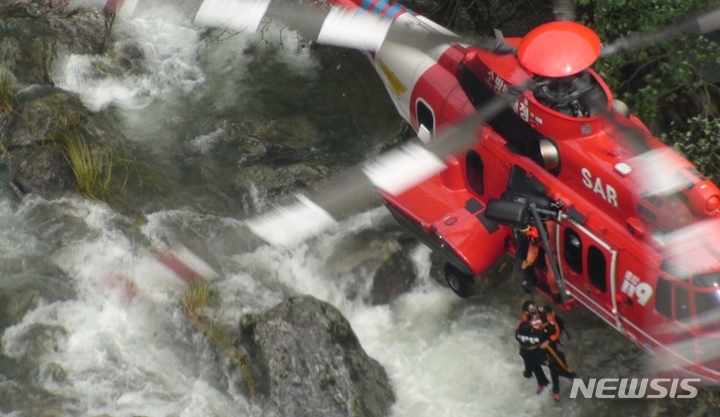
pixel 522 246
pixel 547 318
pixel 532 340
pixel 551 355
pixel 535 244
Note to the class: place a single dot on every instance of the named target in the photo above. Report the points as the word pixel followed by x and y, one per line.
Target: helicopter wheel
pixel 461 283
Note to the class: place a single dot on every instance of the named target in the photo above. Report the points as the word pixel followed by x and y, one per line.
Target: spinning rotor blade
pixel 660 171
pixel 564 10
pixel 337 26
pixel 393 172
pixel 705 23
pixel 123 8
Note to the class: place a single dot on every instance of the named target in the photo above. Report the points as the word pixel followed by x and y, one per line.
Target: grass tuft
pixel 93 167
pixel 8 98
pixel 196 298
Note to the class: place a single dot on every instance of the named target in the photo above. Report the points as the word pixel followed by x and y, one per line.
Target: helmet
pixel 532 233
pixel 529 307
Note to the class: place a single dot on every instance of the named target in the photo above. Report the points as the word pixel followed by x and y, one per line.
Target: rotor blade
pixel 692 249
pixel 659 171
pixel 334 26
pixel 706 23
pixel 393 172
pixel 564 10
pixel 123 8
pixel 337 26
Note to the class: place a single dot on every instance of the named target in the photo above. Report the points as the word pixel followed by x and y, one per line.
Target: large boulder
pixel 307 361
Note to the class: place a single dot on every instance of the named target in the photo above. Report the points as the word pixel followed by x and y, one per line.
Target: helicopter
pixel 513 132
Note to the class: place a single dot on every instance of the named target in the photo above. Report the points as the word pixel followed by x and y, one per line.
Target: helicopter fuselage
pixel 616 225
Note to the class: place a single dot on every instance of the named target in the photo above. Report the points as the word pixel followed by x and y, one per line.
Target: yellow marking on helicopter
pixel 396 85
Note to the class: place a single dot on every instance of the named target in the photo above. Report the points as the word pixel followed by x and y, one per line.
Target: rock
pixel 39 162
pixel 395 275
pixel 276 181
pixel 307 361
pixel 36 34
pixel 43 112
pixel 384 253
pixel 43 171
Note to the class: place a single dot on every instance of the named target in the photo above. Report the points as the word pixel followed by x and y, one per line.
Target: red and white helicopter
pixel 518 131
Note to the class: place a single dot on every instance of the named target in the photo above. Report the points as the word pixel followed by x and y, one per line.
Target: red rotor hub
pixel 559 49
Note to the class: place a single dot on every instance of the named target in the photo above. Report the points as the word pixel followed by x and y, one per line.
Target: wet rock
pixel 307 361
pixel 272 181
pixel 42 113
pixel 283 140
pixel 382 253
pixel 395 275
pixel 37 33
pixel 42 171
pixel 37 135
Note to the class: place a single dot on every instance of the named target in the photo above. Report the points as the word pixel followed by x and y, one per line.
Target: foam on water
pixel 118 354
pixel 160 63
pixel 137 355
pixel 445 356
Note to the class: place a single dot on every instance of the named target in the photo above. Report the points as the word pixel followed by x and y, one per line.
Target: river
pixel 85 348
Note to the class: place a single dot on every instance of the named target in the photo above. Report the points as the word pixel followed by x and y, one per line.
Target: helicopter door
pixel 589 267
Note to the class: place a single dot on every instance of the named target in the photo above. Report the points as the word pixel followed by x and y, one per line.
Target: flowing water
pixel 78 342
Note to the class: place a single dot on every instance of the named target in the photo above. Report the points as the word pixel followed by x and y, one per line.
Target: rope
pixel 558 360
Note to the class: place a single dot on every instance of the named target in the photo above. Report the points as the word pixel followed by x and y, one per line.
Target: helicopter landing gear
pixel 461 283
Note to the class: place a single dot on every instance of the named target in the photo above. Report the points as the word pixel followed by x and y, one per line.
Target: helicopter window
pixel 663 298
pixel 678 272
pixel 682 305
pixel 474 170
pixel 655 200
pixel 597 268
pixel 572 248
pixel 707 302
pixel 425 116
pixel 707 280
